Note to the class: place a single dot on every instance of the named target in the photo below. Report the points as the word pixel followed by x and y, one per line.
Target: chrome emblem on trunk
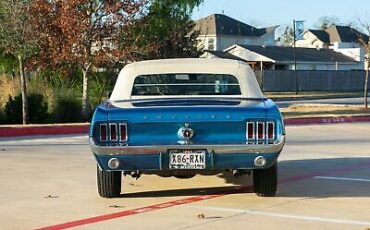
pixel 186 133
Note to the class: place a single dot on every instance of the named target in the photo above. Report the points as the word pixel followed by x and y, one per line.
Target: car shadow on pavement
pixel 189 192
pixel 297 178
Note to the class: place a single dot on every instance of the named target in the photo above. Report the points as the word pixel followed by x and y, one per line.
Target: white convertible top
pixel 247 80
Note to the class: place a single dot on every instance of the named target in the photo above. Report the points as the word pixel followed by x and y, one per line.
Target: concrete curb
pixel 32 130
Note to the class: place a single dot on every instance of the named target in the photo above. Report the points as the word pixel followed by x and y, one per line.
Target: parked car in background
pixel 182 117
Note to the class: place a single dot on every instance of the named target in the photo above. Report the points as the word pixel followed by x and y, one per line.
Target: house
pixel 221 54
pixel 342 39
pixel 333 37
pixel 314 39
pixel 277 57
pixel 218 31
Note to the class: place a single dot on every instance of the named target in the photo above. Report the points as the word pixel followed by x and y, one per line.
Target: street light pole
pixel 294 58
pixel 367 62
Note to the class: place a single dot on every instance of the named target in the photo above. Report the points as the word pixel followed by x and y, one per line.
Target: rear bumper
pixel 160 162
pixel 216 149
pixel 218 157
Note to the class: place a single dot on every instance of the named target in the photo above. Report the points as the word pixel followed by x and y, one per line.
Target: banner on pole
pixel 299 29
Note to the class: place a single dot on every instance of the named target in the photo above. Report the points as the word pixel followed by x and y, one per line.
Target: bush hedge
pixel 67 110
pixel 53 98
pixel 2 117
pixel 37 110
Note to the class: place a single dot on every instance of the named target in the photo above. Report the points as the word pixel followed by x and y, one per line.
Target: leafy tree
pixel 83 33
pixel 165 31
pixel 17 39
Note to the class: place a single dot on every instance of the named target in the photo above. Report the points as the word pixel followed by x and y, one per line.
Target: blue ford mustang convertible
pixel 182 117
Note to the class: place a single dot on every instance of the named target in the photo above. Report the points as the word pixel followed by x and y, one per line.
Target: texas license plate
pixel 187 159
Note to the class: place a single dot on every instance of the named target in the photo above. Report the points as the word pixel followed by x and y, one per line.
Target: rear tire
pixel 265 181
pixel 109 183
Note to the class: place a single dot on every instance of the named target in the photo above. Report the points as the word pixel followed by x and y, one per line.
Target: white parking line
pixel 281 215
pixel 341 178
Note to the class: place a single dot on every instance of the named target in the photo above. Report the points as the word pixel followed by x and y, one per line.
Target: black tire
pixel 265 181
pixel 109 183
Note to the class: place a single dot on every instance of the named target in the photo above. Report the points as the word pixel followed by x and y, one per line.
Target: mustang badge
pixel 186 133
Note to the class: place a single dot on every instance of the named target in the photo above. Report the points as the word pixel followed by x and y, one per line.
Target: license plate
pixel 187 159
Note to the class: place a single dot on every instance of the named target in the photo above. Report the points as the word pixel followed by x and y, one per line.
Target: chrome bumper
pixel 218 149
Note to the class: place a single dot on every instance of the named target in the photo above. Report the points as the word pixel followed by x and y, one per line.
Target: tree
pixel 17 39
pixel 83 33
pixel 365 41
pixel 286 39
pixel 327 21
pixel 168 27
pixel 7 63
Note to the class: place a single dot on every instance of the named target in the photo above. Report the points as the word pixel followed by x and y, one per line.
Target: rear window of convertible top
pixel 185 84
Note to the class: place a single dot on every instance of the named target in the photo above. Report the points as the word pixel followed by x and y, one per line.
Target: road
pixel 324 183
pixel 336 101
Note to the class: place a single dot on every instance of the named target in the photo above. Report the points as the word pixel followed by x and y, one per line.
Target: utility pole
pixel 295 59
pixel 367 62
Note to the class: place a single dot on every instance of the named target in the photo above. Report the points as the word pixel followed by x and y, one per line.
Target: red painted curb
pixel 43 130
pixel 325 120
pixel 84 128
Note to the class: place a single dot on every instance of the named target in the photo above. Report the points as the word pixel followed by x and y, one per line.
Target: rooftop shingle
pixel 282 54
pixel 219 24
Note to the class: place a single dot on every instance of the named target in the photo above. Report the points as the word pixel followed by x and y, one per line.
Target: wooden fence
pixel 310 80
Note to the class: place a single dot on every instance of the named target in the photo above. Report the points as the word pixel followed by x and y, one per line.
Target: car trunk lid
pixel 158 122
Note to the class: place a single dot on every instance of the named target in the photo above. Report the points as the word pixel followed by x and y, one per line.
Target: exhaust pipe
pixel 236 173
pixel 135 174
pixel 240 172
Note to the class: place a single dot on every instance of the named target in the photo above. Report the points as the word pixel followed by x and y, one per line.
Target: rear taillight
pixel 270 130
pixel 113 132
pixel 259 132
pixel 123 131
pixel 103 132
pixel 251 134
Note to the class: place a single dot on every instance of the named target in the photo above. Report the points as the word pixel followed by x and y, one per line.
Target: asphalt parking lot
pixel 324 183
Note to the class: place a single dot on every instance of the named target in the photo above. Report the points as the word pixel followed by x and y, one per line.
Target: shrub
pixel 2 116
pixel 8 87
pixel 13 110
pixel 67 110
pixel 37 109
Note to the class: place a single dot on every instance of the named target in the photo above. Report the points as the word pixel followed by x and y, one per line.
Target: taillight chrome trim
pixel 123 136
pixel 113 128
pixel 103 127
pixel 112 132
pixel 260 132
